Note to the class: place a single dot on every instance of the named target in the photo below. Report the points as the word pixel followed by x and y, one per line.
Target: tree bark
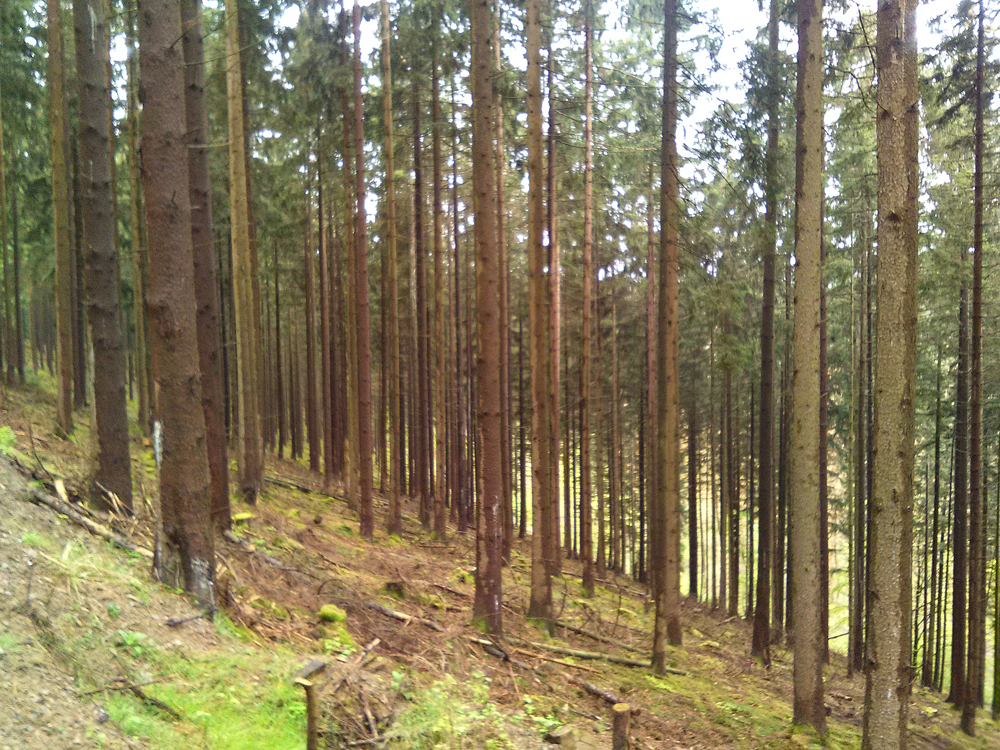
pixel 309 275
pixel 667 628
pixel 60 220
pixel 113 469
pixel 440 351
pixel 887 688
pixel 205 262
pixel 250 452
pixel 394 523
pixel 540 605
pixel 804 481
pixel 586 362
pixel 977 514
pixel 489 485
pixel 184 554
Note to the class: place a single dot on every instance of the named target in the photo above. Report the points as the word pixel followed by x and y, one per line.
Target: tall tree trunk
pixel 804 491
pixel 309 274
pixel 422 411
pixel 325 318
pixel 278 366
pixel 614 495
pixel 250 452
pixel 667 628
pixel 540 605
pixel 395 520
pixel 693 489
pixel 489 484
pixel 60 220
pixel 113 469
pixel 185 555
pixel 461 432
pixel 586 377
pixel 555 308
pixel 18 315
pixel 10 349
pixel 361 272
pixel 977 514
pixel 508 508
pixel 599 444
pixel 824 523
pixel 651 387
pixel 205 262
pixel 960 570
pixel 888 677
pixel 440 352
pixel 930 643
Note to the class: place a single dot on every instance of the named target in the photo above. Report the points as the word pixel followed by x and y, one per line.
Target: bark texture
pixel 887 688
pixel 185 554
pixel 804 480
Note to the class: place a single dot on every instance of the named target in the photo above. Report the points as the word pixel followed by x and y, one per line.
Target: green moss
pixel 332 613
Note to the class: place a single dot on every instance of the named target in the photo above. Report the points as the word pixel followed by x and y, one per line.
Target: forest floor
pixel 95 653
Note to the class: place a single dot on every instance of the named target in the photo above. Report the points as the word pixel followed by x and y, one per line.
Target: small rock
pixel 100 715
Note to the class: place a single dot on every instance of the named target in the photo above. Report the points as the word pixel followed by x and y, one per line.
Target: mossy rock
pixel 332 613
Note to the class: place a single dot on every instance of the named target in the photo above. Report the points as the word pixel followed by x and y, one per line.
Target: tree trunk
pixel 977 514
pixel 361 272
pixel 804 481
pixel 555 312
pixel 113 469
pixel 325 353
pixel 440 351
pixel 309 274
pixel 394 523
pixel 60 220
pixel 540 605
pixel 887 688
pixel 205 262
pixel 508 509
pixel 489 485
pixel 10 349
pixel 667 628
pixel 930 642
pixel 960 570
pixel 250 452
pixel 184 545
pixel 422 410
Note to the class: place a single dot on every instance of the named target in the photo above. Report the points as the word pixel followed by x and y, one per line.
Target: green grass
pixel 240 699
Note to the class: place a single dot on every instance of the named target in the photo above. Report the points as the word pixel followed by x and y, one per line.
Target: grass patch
pixel 228 701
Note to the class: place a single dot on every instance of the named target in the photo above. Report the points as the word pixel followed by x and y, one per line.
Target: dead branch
pixel 402 617
pixel 272 561
pixel 585 654
pixel 41 498
pixel 138 693
pixel 597 637
pixel 563 662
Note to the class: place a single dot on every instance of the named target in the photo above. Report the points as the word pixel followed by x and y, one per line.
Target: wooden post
pixel 620 713
pixel 312 715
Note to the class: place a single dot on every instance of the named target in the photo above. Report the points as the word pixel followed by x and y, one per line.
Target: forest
pixel 307 306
